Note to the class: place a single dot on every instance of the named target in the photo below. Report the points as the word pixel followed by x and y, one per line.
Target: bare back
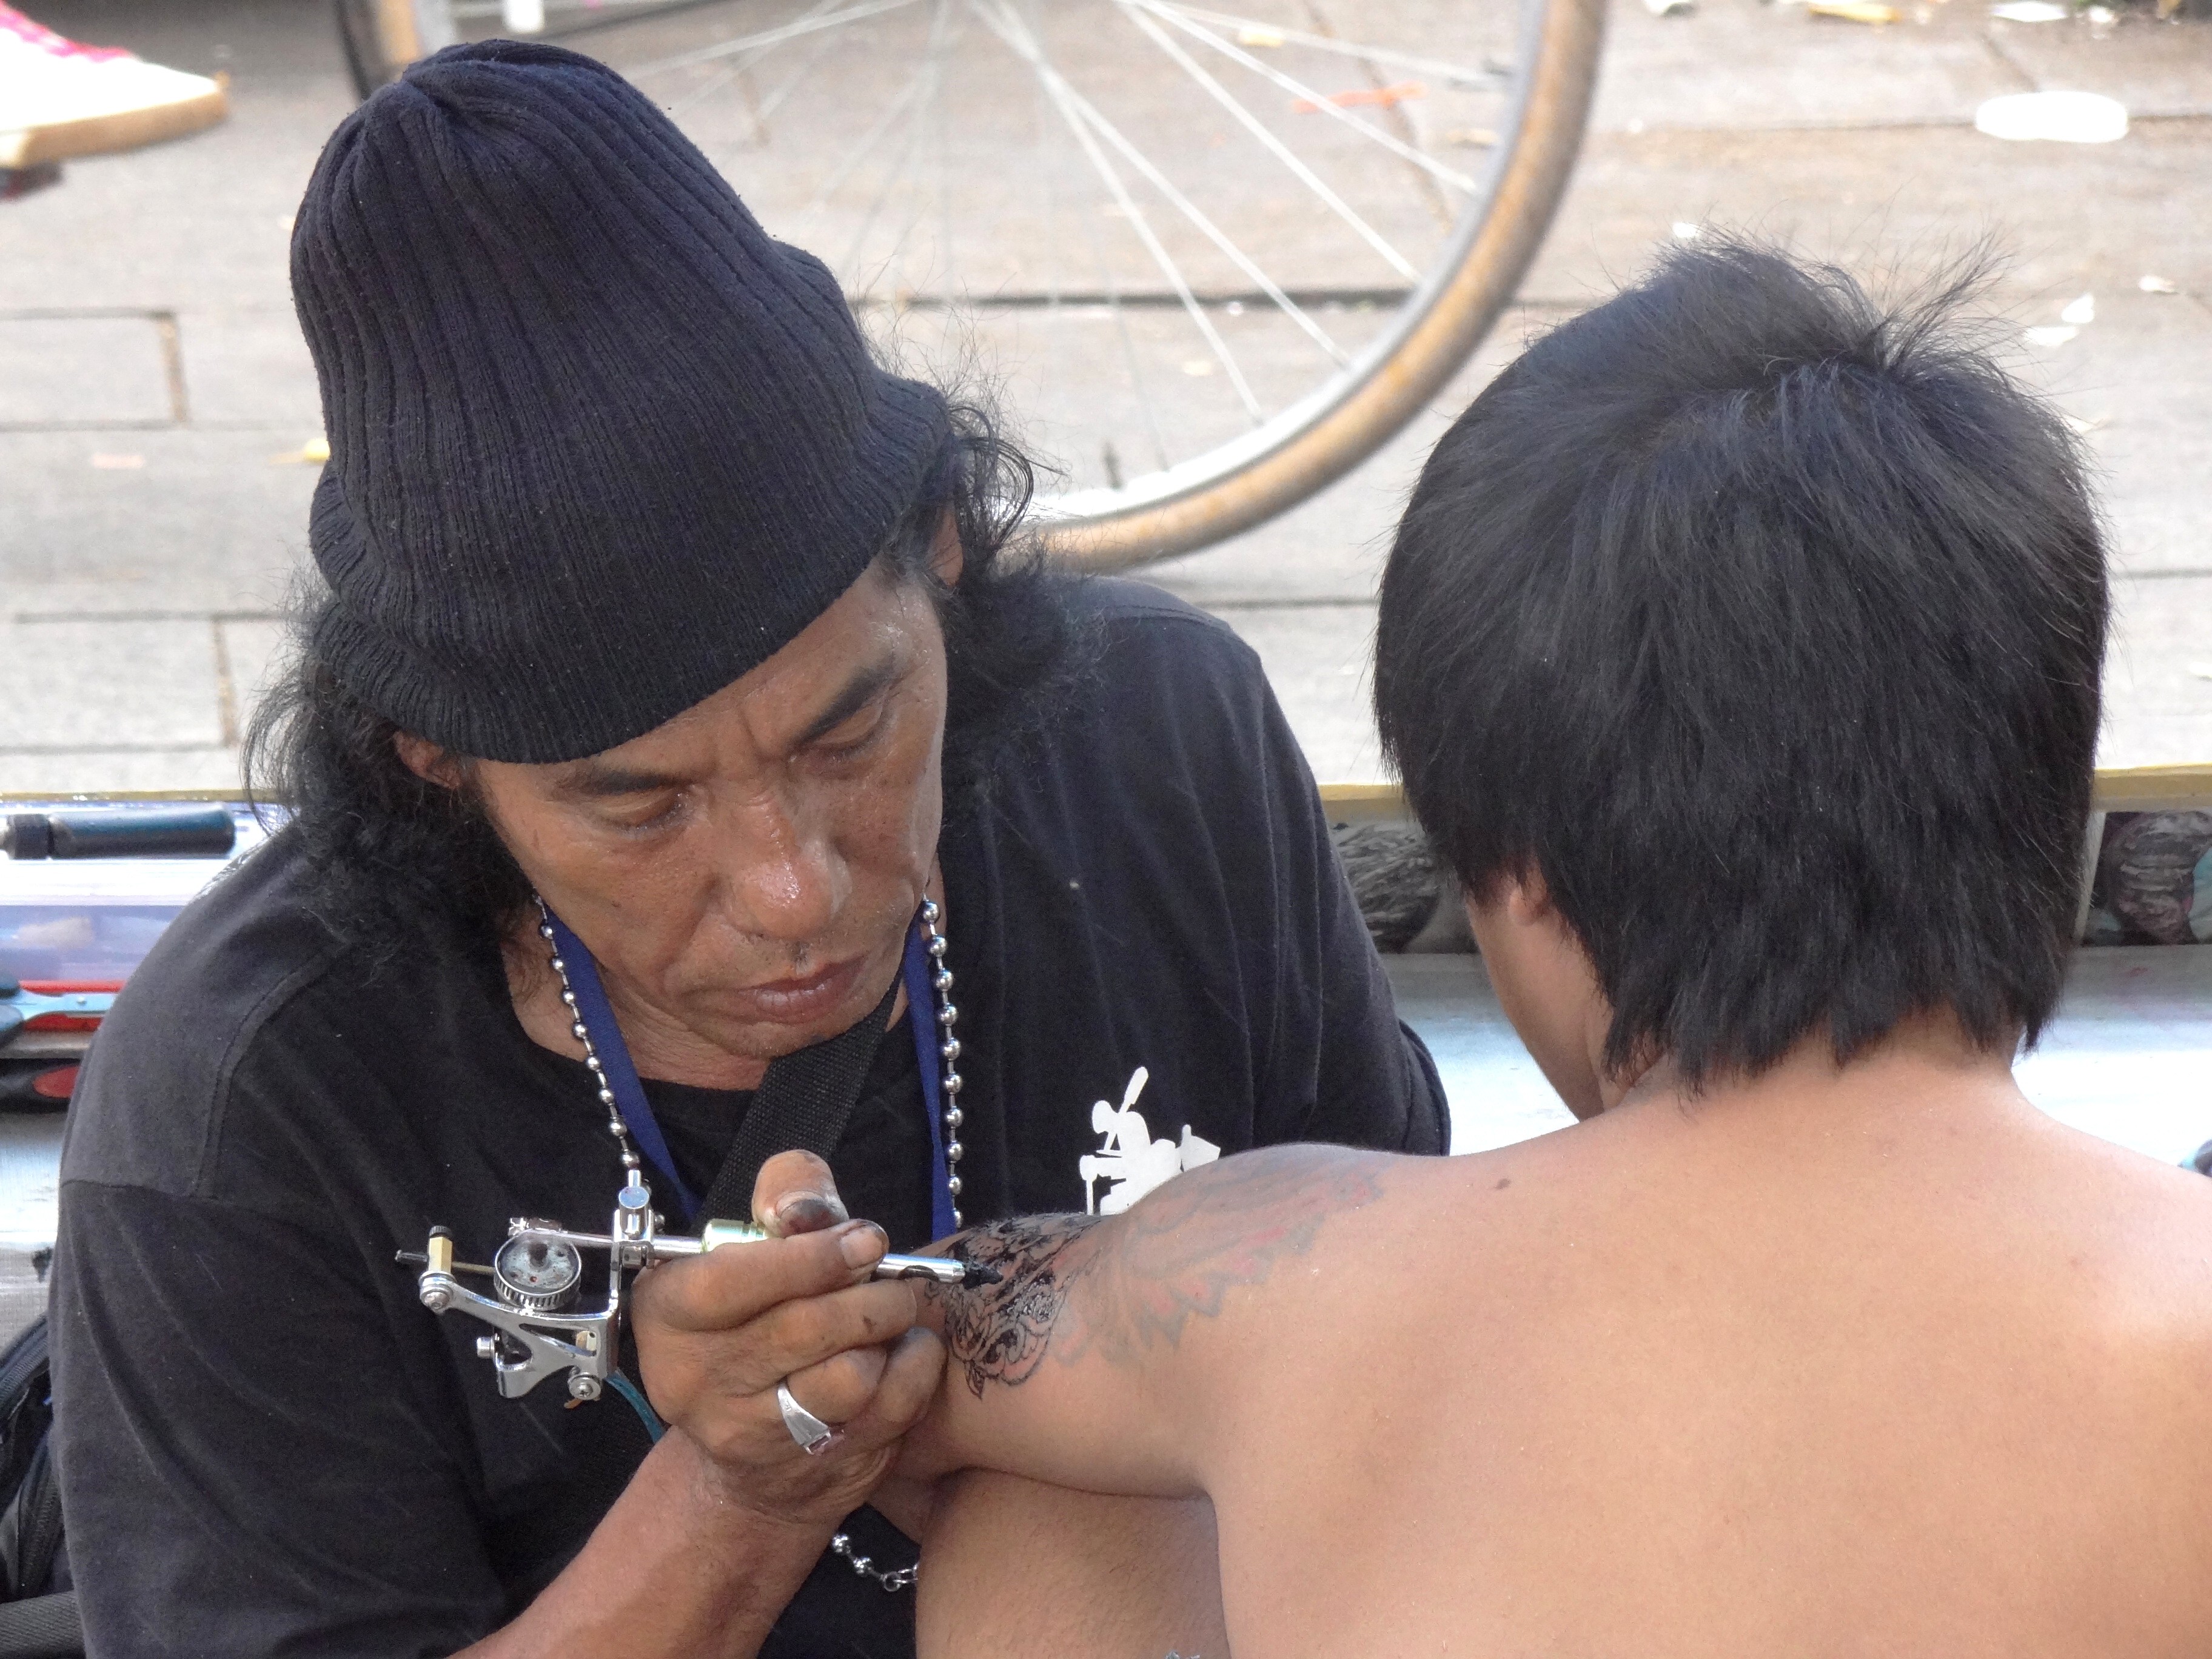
pixel 1884 1364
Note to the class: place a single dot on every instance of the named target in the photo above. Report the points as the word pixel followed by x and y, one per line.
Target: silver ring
pixel 808 1432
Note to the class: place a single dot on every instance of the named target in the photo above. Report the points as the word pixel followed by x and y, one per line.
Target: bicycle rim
pixel 1318 440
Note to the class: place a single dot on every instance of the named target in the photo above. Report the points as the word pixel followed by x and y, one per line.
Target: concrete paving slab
pixel 98 370
pixel 1316 657
pixel 205 510
pixel 2139 380
pixel 102 771
pixel 1755 64
pixel 1751 64
pixel 251 368
pixel 2071 216
pixel 2158 70
pixel 109 684
pixel 2158 681
pixel 251 654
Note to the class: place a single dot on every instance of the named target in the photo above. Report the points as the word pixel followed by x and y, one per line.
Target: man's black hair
pixel 1764 625
pixel 392 851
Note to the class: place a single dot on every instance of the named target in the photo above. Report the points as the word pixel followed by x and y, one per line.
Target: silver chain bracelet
pixel 897 1579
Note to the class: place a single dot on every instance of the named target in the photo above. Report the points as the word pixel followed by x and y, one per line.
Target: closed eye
pixel 855 736
pixel 650 814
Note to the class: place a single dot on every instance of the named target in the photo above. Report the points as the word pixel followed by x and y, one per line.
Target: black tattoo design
pixel 1000 1333
pixel 1144 1274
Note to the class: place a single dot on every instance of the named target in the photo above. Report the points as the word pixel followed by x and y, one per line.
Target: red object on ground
pixel 1388 97
pixel 57 1084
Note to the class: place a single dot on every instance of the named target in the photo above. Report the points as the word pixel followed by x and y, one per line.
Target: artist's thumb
pixel 795 1193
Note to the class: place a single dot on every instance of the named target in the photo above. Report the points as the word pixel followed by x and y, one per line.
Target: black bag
pixel 38 1608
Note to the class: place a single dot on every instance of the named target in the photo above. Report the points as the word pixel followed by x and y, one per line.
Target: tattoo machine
pixel 538 1276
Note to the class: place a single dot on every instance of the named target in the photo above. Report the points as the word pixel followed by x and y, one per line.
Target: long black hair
pixel 390 851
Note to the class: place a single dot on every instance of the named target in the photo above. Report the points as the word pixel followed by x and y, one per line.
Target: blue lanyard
pixel 620 1072
pixel 921 1015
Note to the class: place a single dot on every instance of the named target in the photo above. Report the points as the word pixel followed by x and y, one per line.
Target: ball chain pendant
pixel 948 1051
pixel 582 1033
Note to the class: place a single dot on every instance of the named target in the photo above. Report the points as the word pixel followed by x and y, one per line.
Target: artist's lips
pixel 800 1001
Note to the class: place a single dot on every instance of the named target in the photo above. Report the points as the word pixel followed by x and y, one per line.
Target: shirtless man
pixel 1739 649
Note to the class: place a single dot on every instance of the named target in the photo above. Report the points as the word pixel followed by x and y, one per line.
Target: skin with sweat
pixel 744 873
pixel 1857 1360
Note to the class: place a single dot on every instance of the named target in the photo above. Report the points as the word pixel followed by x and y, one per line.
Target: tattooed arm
pixel 1104 1354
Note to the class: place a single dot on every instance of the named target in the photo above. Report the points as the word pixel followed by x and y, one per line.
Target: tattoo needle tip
pixel 977 1276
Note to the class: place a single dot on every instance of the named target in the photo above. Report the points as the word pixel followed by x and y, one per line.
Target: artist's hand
pixel 716 1334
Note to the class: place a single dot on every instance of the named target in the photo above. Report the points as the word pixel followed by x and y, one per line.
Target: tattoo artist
pixel 686 763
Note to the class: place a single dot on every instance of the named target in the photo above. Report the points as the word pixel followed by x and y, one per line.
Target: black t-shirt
pixel 268 1445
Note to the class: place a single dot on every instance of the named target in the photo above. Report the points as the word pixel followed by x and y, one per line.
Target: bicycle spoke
pixel 722 77
pixel 1282 152
pixel 926 80
pixel 1490 75
pixel 774 37
pixel 791 82
pixel 1184 206
pixel 1305 94
pixel 1110 286
pixel 862 147
pixel 1010 30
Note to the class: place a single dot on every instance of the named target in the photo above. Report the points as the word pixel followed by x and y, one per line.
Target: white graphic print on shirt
pixel 1130 1162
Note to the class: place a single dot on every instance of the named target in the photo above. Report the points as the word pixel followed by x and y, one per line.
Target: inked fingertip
pixel 863 1243
pixel 806 1212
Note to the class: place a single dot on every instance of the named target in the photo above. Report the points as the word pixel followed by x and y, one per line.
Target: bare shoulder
pixel 2154 1212
pixel 1121 1291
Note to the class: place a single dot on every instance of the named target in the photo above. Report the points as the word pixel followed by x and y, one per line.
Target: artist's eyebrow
pixel 866 685
pixel 597 779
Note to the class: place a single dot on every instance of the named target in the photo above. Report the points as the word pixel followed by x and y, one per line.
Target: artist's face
pixel 746 872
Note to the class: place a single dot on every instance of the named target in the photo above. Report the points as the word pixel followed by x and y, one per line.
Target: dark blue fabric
pixel 921 1014
pixel 598 1018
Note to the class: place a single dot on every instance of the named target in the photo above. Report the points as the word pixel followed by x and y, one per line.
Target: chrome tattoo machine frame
pixel 538 1276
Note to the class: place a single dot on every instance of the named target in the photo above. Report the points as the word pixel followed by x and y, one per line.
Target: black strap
pixel 43 1627
pixel 803 1104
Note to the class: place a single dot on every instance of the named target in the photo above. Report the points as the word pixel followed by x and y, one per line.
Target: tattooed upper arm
pixel 1117 1295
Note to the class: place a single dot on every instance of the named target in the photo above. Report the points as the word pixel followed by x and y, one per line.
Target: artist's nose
pixel 781 879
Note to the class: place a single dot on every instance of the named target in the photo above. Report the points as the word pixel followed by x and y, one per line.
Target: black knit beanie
pixel 598 444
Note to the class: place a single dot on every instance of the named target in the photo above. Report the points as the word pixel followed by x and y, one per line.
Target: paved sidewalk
pixel 156 399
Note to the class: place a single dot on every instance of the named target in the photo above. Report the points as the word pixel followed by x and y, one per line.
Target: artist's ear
pixel 427 761
pixel 947 558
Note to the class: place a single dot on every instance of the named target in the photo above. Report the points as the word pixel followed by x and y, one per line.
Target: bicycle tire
pixel 1313 444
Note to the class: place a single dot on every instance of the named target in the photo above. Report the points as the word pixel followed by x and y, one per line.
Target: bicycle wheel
pixel 1213 258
